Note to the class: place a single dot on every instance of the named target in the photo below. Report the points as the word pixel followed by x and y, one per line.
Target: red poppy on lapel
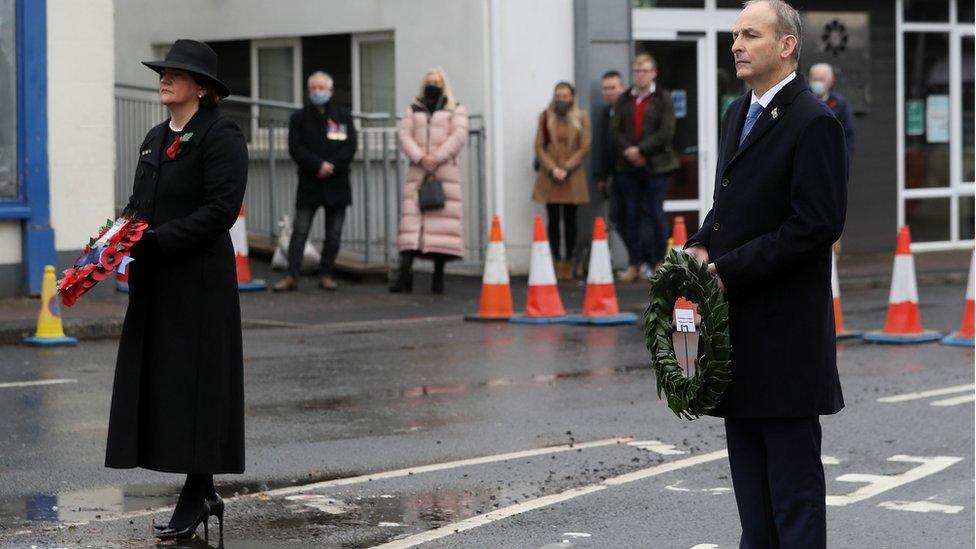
pixel 174 148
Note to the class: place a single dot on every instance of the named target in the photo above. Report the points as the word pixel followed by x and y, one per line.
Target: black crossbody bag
pixel 430 196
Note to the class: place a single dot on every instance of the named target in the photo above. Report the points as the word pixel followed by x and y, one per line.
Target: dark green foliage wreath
pixel 688 397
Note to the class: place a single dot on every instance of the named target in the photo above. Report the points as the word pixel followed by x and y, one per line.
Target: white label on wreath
pixel 116 227
pixel 685 320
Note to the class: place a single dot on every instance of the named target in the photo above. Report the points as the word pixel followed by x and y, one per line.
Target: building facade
pixel 56 134
pixel 905 65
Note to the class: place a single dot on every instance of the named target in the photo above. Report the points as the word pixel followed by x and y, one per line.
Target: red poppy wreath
pixel 105 254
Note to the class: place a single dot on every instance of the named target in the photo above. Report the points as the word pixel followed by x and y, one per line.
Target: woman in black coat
pixel 178 400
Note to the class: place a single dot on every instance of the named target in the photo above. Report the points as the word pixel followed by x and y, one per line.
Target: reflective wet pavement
pixel 327 403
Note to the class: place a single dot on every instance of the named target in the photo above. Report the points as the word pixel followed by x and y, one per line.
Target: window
pixel 275 77
pixel 669 3
pixel 8 101
pixel 936 144
pixel 374 78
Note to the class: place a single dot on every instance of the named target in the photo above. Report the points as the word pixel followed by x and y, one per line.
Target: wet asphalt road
pixel 368 400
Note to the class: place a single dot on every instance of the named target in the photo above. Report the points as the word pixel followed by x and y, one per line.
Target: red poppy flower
pixel 174 148
pixel 110 258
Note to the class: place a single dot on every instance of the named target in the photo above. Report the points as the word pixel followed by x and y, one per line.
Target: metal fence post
pixel 271 183
pixel 482 193
pixel 386 197
pixel 398 184
pixel 366 160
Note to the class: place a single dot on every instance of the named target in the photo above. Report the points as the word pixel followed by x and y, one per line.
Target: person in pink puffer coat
pixel 433 132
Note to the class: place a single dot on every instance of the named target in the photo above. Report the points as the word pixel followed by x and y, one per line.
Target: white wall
pixel 537 52
pixel 81 140
pixel 446 33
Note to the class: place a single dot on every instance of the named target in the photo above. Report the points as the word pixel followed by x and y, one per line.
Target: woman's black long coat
pixel 178 400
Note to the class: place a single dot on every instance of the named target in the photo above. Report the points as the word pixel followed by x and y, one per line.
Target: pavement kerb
pixel 12 332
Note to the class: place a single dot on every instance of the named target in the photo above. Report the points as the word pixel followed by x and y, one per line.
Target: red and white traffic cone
pixel 964 337
pixel 904 322
pixel 679 233
pixel 839 329
pixel 543 305
pixel 238 235
pixel 496 292
pixel 600 305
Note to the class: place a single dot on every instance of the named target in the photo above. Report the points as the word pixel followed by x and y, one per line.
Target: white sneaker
pixel 646 271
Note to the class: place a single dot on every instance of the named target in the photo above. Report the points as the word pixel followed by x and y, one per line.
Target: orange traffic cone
pixel 679 237
pixel 600 305
pixel 496 293
pixel 835 290
pixel 543 305
pixel 904 323
pixel 238 234
pixel 964 337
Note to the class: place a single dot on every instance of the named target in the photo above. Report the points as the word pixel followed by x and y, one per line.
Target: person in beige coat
pixel 562 142
pixel 433 132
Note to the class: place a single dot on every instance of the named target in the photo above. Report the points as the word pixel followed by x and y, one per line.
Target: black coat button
pixel 725 182
pixel 716 227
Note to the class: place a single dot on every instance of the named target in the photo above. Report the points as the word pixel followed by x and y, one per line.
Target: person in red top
pixel 643 130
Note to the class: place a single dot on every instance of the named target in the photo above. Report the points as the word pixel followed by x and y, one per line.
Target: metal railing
pixel 376 176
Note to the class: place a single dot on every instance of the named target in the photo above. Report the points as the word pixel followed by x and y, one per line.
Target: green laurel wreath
pixel 688 397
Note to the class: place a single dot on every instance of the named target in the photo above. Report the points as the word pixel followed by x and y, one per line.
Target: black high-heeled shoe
pixel 184 532
pixel 216 509
pixel 216 505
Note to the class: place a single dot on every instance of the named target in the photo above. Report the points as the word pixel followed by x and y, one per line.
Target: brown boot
pixel 564 271
pixel 629 276
pixel 287 284
pixel 328 283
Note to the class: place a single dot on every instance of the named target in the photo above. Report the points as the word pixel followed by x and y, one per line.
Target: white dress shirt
pixel 768 96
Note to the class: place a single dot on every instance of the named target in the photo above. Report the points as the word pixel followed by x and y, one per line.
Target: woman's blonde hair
pixel 572 115
pixel 451 103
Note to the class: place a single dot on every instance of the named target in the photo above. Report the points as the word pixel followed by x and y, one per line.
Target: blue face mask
pixel 319 98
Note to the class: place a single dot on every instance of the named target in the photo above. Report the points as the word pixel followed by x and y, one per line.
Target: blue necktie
pixel 754 111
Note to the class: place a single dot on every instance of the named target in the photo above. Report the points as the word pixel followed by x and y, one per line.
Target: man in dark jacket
pixel 322 142
pixel 822 82
pixel 780 201
pixel 604 159
pixel 643 130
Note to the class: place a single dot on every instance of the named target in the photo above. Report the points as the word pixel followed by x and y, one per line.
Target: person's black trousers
pixel 335 216
pixel 778 479
pixel 568 214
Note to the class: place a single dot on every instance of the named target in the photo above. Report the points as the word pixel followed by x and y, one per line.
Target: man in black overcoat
pixel 322 142
pixel 779 202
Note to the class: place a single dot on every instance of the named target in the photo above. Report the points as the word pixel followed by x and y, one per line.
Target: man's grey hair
pixel 320 74
pixel 787 22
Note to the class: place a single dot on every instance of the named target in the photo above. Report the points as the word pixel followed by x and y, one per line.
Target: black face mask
pixel 562 107
pixel 432 93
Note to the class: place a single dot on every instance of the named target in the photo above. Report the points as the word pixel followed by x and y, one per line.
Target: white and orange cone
pixel 600 305
pixel 839 329
pixel 904 322
pixel 496 292
pixel 543 305
pixel 679 237
pixel 238 235
pixel 964 337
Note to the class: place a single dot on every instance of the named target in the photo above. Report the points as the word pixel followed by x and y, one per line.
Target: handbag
pixel 430 196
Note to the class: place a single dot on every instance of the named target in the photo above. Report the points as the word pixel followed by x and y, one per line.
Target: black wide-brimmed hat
pixel 195 57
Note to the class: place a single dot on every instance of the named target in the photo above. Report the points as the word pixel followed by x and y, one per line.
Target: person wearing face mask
pixel 433 132
pixel 322 142
pixel 822 85
pixel 562 142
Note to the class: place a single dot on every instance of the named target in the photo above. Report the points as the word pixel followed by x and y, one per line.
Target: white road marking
pixel 921 507
pixel 35 383
pixel 877 484
pixel 397 473
pixel 676 487
pixel 576 534
pixel 829 460
pixel 658 447
pixel 381 475
pixel 931 393
pixel 546 501
pixel 964 399
pixel 705 546
pixel 389 524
